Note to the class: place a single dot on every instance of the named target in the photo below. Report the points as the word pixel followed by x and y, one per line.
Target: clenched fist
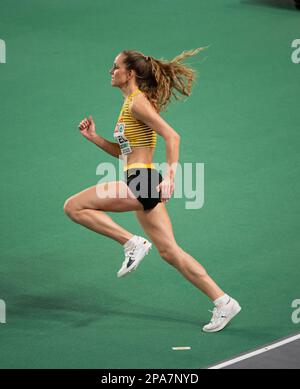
pixel 87 128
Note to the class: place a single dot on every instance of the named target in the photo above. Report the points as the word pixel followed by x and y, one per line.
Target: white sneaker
pixel 222 316
pixel 134 254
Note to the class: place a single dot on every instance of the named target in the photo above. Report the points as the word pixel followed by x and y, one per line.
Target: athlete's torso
pixel 136 140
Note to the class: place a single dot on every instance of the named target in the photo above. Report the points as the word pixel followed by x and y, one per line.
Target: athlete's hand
pixel 166 187
pixel 87 128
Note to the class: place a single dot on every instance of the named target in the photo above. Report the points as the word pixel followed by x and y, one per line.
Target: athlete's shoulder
pixel 140 103
pixel 140 98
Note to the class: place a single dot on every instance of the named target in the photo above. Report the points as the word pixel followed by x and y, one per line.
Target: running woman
pixel 147 85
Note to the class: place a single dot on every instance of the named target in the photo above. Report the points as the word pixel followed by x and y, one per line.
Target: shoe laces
pixel 129 252
pixel 218 313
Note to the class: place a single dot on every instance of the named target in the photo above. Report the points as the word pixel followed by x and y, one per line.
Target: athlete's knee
pixel 170 253
pixel 70 208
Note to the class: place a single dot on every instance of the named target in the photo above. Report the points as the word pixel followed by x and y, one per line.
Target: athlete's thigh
pixel 112 196
pixel 157 225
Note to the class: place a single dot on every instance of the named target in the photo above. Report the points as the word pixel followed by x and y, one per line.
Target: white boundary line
pixel 257 352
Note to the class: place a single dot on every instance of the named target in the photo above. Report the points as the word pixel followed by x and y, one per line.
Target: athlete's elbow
pixel 176 137
pixel 173 137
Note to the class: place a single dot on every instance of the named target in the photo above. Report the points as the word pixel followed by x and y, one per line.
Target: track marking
pixel 256 352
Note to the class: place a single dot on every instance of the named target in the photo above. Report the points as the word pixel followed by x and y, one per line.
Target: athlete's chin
pixel 114 85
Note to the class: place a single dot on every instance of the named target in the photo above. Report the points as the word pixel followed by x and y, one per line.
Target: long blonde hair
pixel 158 78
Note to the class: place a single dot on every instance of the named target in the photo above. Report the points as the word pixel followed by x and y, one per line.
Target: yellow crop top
pixel 132 132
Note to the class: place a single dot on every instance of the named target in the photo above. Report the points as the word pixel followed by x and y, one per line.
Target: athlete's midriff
pixel 140 155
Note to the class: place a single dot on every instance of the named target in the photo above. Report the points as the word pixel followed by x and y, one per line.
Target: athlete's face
pixel 119 73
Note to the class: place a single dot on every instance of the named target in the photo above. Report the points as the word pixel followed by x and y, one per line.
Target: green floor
pixel 65 306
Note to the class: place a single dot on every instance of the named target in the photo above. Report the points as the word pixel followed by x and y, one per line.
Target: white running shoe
pixel 134 254
pixel 222 316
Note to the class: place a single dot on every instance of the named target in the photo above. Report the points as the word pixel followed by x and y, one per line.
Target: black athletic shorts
pixel 143 182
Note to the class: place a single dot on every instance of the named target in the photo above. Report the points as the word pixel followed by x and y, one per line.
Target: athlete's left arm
pixel 142 110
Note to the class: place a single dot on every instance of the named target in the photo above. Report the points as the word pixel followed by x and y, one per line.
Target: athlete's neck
pixel 128 90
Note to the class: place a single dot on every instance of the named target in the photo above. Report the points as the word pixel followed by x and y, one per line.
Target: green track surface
pixel 65 306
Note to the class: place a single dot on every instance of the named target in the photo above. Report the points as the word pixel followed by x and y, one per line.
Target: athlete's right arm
pixel 88 130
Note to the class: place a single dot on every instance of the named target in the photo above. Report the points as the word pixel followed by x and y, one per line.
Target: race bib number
pixel 119 135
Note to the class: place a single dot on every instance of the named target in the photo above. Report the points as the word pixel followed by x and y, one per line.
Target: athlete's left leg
pixel 88 208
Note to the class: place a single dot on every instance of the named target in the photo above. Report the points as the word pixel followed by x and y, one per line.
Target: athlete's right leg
pixel 89 206
pixel 157 225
